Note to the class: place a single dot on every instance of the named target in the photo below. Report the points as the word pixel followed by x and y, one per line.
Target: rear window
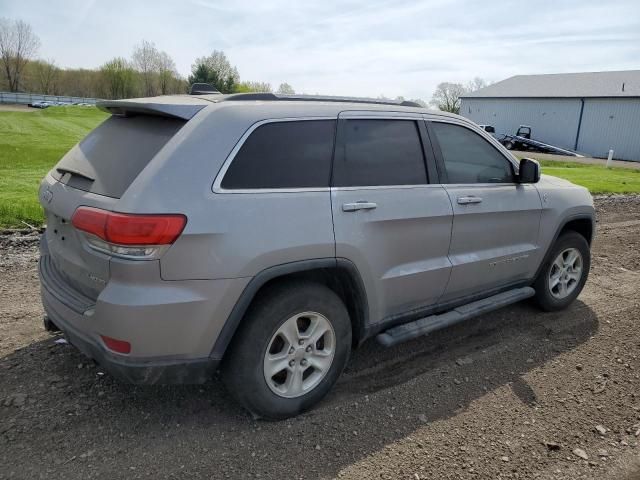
pixel 293 154
pixel 109 159
pixel 380 152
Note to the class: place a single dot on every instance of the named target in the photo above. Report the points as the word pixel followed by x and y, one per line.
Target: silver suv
pixel 267 236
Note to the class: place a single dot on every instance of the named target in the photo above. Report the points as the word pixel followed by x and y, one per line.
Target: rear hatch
pixel 96 173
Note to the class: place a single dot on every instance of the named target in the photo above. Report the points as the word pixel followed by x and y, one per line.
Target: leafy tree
pixel 44 76
pixel 146 59
pixel 215 70
pixel 476 84
pixel 81 82
pixel 200 74
pixel 167 74
pixel 18 44
pixel 246 87
pixel 447 97
pixel 286 89
pixel 119 77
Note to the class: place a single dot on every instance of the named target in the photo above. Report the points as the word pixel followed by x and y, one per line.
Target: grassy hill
pixel 31 142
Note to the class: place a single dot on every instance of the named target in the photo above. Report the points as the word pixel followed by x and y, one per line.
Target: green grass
pixel 30 144
pixel 597 178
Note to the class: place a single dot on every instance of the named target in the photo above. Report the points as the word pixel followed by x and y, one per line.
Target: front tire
pixel 292 346
pixel 564 274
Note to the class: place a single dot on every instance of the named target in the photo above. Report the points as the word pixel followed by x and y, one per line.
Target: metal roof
pixel 565 85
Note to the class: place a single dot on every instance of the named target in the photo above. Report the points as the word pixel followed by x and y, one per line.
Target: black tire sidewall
pixel 544 298
pixel 243 367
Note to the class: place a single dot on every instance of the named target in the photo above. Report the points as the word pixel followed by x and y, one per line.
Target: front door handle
pixel 468 200
pixel 361 205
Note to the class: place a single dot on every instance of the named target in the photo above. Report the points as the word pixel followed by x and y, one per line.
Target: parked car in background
pixel 267 236
pixel 39 105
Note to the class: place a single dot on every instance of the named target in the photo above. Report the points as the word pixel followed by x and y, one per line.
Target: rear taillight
pixel 131 235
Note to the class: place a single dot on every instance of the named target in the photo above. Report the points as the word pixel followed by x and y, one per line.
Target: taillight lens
pixel 129 229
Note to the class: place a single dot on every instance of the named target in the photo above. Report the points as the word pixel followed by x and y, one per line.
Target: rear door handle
pixel 361 205
pixel 468 200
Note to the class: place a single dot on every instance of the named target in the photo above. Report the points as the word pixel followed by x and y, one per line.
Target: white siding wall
pixel 606 122
pixel 553 121
pixel 611 123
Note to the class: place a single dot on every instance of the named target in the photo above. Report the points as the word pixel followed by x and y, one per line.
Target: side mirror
pixel 529 171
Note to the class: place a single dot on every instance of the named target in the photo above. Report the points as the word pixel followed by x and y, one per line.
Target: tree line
pixel 148 72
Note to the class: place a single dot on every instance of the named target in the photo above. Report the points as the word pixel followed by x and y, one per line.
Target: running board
pixel 426 325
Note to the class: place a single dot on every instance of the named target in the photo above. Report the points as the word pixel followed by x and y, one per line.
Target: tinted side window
pixel 469 158
pixel 380 152
pixel 284 155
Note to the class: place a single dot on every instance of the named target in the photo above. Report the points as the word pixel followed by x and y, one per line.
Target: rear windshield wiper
pixel 63 170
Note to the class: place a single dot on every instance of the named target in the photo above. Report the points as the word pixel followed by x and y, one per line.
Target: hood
pixel 558 182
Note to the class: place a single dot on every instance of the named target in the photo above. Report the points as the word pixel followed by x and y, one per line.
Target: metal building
pixel 586 112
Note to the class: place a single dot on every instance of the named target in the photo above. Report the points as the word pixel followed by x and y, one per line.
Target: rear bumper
pixel 130 370
pixel 171 325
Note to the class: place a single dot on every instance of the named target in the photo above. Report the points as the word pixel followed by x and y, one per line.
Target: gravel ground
pixel 515 394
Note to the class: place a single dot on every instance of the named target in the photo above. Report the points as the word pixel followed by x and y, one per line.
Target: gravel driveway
pixel 514 394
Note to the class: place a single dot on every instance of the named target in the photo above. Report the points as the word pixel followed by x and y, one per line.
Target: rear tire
pixel 292 346
pixel 564 274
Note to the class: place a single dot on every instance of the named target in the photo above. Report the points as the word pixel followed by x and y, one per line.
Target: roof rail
pixel 315 98
pixel 202 88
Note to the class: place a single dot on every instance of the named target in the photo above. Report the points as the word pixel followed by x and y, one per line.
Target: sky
pixel 353 47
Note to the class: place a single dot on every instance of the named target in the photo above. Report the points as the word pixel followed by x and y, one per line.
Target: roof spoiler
pixel 127 108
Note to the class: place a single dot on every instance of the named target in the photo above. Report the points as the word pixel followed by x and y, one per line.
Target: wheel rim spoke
pixel 276 363
pixel 319 330
pixel 322 363
pixel 575 276
pixel 559 263
pixel 572 256
pixel 290 331
pixel 294 384
pixel 562 288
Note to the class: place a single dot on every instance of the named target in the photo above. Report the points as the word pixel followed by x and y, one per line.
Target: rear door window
pixel 379 152
pixel 291 154
pixel 109 159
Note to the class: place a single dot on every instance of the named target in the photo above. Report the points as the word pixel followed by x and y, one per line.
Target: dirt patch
pixel 16 108
pixel 514 394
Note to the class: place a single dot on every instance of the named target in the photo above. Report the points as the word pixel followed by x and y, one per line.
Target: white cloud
pixel 353 47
